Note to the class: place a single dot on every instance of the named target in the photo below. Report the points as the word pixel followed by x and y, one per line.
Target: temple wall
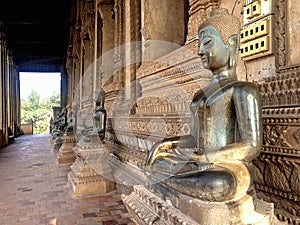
pixel 148 90
pixel 277 168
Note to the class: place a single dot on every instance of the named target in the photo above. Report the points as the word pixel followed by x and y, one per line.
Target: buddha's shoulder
pixel 233 86
pixel 245 86
pixel 244 89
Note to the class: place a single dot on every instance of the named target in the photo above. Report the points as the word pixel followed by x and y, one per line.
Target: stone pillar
pixel 3 84
pixel 64 87
pixel 90 174
pixel 18 107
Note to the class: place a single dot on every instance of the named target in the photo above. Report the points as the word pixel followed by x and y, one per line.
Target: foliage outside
pixel 39 110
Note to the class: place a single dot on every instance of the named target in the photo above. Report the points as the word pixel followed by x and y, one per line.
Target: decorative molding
pixel 170 207
pixel 174 59
pixel 148 208
pixel 274 136
pixel 282 90
pixel 280 27
pixel 277 169
pixel 88 20
pixel 168 105
pixel 197 13
pixel 277 181
pixel 136 135
pixel 196 5
pixel 125 153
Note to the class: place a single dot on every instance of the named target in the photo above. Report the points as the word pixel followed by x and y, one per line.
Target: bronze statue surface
pixel 211 163
pixel 97 132
pixel 99 117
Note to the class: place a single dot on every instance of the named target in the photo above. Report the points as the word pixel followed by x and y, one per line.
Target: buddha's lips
pixel 204 60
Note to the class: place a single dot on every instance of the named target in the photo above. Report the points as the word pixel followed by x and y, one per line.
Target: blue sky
pixel 43 83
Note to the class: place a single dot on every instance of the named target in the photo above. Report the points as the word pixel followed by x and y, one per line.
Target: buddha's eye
pixel 206 42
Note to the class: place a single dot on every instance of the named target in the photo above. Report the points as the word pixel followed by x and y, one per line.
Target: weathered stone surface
pixel 277 168
pixel 90 174
pixel 66 152
pixel 147 208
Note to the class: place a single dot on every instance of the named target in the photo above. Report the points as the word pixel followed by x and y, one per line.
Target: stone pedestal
pixel 170 207
pixel 66 152
pixel 57 143
pixel 90 174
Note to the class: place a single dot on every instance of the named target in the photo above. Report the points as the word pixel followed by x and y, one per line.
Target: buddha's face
pixel 213 52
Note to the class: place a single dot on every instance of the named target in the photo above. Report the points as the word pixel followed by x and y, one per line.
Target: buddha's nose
pixel 201 51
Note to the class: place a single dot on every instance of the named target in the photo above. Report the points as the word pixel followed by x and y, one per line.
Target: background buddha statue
pixel 97 132
pixel 211 163
pixel 99 117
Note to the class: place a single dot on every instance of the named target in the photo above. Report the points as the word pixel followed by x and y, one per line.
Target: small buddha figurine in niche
pixel 211 163
pixel 99 117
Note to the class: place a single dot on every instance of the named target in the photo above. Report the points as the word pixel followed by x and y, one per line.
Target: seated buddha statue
pixel 99 117
pixel 212 163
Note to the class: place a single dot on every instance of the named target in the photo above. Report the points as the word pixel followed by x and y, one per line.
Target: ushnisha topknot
pixel 225 23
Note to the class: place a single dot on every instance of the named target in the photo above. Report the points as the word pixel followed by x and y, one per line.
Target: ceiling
pixel 37 33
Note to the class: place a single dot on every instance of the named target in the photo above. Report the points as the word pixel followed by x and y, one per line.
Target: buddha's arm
pixel 101 122
pixel 248 111
pixel 160 149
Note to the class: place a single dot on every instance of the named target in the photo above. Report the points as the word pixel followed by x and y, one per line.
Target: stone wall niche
pixel 105 58
pixel 162 21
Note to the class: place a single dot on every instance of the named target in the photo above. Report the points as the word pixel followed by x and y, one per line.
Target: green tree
pixel 55 99
pixel 39 110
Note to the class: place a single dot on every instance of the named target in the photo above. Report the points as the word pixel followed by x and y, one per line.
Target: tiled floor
pixel 34 190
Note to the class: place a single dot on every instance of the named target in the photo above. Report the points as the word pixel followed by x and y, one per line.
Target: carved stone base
pixel 57 144
pixel 148 208
pixel 66 152
pixel 90 174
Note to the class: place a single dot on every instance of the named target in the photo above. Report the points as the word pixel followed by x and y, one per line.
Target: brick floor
pixel 34 190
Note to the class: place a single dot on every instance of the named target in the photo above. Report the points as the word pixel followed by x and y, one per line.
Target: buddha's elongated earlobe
pixel 232 46
pixel 232 59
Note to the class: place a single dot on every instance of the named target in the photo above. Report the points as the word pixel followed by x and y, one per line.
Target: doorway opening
pixel 39 94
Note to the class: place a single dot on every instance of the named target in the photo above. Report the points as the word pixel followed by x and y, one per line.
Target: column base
pixel 90 174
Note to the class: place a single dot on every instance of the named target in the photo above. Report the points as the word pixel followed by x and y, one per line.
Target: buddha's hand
pixel 167 151
pixel 158 150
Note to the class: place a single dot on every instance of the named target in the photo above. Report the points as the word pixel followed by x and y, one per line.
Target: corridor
pixel 34 190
